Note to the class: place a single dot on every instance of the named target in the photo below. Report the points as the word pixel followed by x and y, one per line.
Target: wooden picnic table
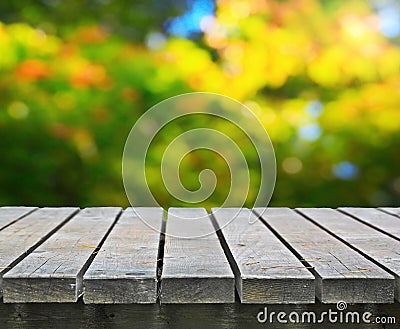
pixel 143 264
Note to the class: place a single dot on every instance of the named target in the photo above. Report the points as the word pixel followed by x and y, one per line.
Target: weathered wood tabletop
pixel 107 255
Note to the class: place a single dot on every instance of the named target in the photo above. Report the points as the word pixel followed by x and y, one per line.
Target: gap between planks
pixel 15 247
pixel 49 273
pixel 383 222
pixel 127 268
pixel 195 269
pixel 266 271
pixel 341 273
pixel 10 215
pixel 391 210
pixel 375 246
pixel 160 261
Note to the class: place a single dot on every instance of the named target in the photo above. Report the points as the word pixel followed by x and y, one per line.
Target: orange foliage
pixel 91 34
pixel 89 75
pixel 33 69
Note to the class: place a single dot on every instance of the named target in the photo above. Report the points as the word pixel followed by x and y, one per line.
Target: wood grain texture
pixel 53 271
pixel 20 238
pixel 8 215
pixel 342 274
pixel 125 269
pixel 388 224
pixel 266 271
pixel 195 270
pixel 371 243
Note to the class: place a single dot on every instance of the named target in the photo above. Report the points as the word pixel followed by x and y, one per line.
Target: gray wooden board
pixel 195 270
pixel 266 271
pixel 391 210
pixel 19 238
pixel 387 223
pixel 125 269
pixel 53 271
pixel 11 214
pixel 342 274
pixel 375 245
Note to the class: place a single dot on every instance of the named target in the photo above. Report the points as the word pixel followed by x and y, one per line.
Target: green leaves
pixel 68 98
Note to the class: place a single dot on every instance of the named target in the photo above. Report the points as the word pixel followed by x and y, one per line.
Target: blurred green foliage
pixel 76 75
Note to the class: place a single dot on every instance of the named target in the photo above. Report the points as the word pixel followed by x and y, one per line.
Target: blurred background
pixel 323 76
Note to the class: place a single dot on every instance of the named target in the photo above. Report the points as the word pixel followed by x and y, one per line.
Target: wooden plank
pixel 384 222
pixel 17 240
pixel 342 274
pixel 53 272
pixel 371 243
pixel 195 270
pixel 8 215
pixel 266 271
pixel 391 210
pixel 125 269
